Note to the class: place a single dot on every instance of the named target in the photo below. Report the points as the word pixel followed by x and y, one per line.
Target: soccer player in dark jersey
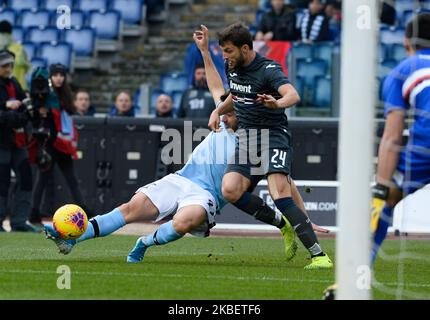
pixel 406 88
pixel 260 93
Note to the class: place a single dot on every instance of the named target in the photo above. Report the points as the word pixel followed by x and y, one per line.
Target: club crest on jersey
pixel 239 87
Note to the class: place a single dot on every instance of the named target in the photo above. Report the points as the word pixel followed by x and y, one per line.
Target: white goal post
pixel 356 137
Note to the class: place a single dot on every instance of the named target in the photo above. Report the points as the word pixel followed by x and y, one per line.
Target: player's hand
pixel 201 38
pixel 13 104
pixel 379 196
pixel 268 101
pixel 317 228
pixel 214 121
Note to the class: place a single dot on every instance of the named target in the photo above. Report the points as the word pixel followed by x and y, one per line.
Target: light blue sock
pixel 381 231
pixel 106 224
pixel 165 234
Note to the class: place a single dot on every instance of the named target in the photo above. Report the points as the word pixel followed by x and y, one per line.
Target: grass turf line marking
pixel 175 275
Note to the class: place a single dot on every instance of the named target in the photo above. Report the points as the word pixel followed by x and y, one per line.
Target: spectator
pixel 13 155
pixel 164 107
pixel 303 4
pixel 193 58
pixel 61 144
pixel 83 104
pixel 279 24
pixel 314 25
pixel 22 66
pixel 197 101
pixel 388 12
pixel 333 11
pixel 123 105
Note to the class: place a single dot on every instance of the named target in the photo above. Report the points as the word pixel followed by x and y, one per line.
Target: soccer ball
pixel 70 221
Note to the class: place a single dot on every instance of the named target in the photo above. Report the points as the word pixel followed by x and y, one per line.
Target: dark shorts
pixel 258 154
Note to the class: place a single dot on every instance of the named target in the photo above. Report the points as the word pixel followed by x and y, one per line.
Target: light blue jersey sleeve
pixel 208 163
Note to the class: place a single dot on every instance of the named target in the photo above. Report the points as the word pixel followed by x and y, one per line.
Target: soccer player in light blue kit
pixel 192 195
pixel 407 87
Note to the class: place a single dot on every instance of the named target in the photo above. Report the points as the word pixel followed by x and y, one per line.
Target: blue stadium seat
pixel 324 51
pixel 385 67
pixel 90 5
pixel 131 10
pixel 308 69
pixel 154 95
pixel 8 15
pixel 82 40
pixel 106 24
pixel 173 82
pixel 384 52
pixel 56 53
pixel 78 19
pixel 35 18
pixel 42 34
pixel 402 6
pixel 406 17
pixel 398 52
pixel 176 97
pixel 54 4
pixel 322 92
pixel 30 49
pixel 380 87
pixel 299 85
pixel 19 5
pixel 301 50
pixel 38 62
pixel 18 34
pixel 390 35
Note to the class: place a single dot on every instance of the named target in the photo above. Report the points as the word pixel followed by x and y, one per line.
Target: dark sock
pixel 301 224
pixel 256 207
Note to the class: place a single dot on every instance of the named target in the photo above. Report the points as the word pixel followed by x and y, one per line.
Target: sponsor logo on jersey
pixel 239 87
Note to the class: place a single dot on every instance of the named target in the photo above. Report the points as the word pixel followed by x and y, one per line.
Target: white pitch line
pixel 169 275
pixel 176 275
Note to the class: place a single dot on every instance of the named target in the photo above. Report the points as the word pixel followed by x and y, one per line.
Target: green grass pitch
pixel 191 268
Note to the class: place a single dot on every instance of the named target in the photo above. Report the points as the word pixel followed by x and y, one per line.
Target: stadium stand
pixel 30 49
pixel 8 14
pixel 90 5
pixel 34 18
pixel 42 34
pixel 60 52
pixel 173 81
pixel 52 5
pixel 19 5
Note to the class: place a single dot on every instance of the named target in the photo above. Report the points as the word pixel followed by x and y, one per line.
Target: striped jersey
pixel 261 76
pixel 408 87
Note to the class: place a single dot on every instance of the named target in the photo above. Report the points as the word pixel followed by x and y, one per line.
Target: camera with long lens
pixel 40 92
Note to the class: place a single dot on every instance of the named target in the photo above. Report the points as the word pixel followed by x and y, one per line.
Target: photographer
pixel 61 142
pixel 13 155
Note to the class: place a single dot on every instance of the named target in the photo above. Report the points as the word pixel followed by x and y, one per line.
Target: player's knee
pixel 183 226
pixel 136 208
pixel 230 193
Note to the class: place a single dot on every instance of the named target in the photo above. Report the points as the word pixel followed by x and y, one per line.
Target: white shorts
pixel 174 192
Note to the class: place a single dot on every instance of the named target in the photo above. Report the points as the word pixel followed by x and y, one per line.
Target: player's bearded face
pixel 233 56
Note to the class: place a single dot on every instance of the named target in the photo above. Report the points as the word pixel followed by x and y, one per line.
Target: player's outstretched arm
pixel 290 97
pixel 389 149
pixel 216 87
